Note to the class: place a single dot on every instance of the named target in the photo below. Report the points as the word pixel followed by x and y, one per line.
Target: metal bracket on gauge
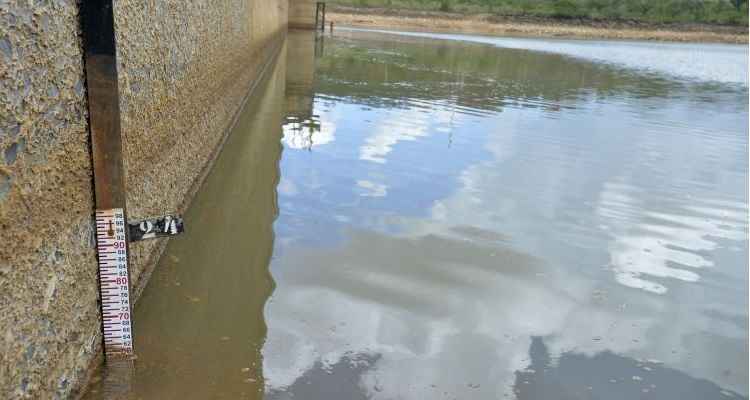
pixel 168 225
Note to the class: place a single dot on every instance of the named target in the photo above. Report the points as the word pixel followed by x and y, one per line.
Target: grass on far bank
pixel 725 12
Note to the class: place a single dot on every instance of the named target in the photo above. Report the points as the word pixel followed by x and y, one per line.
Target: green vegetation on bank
pixel 734 12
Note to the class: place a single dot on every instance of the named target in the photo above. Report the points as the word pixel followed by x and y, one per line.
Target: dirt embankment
pixel 533 26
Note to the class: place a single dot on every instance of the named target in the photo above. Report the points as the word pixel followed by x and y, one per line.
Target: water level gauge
pixel 114 283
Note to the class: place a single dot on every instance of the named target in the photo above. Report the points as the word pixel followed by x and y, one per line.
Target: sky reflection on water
pixel 461 205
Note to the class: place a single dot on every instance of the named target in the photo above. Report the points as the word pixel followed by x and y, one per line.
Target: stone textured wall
pixel 47 270
pixel 302 14
pixel 185 69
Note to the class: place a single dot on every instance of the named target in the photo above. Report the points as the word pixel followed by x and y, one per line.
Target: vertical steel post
pixel 97 24
pixel 103 100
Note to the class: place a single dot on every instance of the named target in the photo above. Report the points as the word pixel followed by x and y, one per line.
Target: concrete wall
pixel 185 68
pixel 302 14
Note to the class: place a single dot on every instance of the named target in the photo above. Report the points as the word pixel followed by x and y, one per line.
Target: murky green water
pixel 459 220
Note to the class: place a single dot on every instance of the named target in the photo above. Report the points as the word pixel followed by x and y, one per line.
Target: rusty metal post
pixel 103 101
pixel 98 31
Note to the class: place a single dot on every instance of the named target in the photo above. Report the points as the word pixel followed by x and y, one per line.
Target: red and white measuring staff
pixel 114 283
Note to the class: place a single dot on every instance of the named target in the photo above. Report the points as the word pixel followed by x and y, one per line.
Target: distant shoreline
pixel 533 26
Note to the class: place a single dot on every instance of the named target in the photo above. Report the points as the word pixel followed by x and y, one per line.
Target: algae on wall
pixel 184 70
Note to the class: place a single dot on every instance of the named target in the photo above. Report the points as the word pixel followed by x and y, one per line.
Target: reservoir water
pixel 418 216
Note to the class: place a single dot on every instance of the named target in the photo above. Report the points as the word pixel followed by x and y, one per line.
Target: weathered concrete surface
pixel 185 68
pixel 47 270
pixel 302 14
